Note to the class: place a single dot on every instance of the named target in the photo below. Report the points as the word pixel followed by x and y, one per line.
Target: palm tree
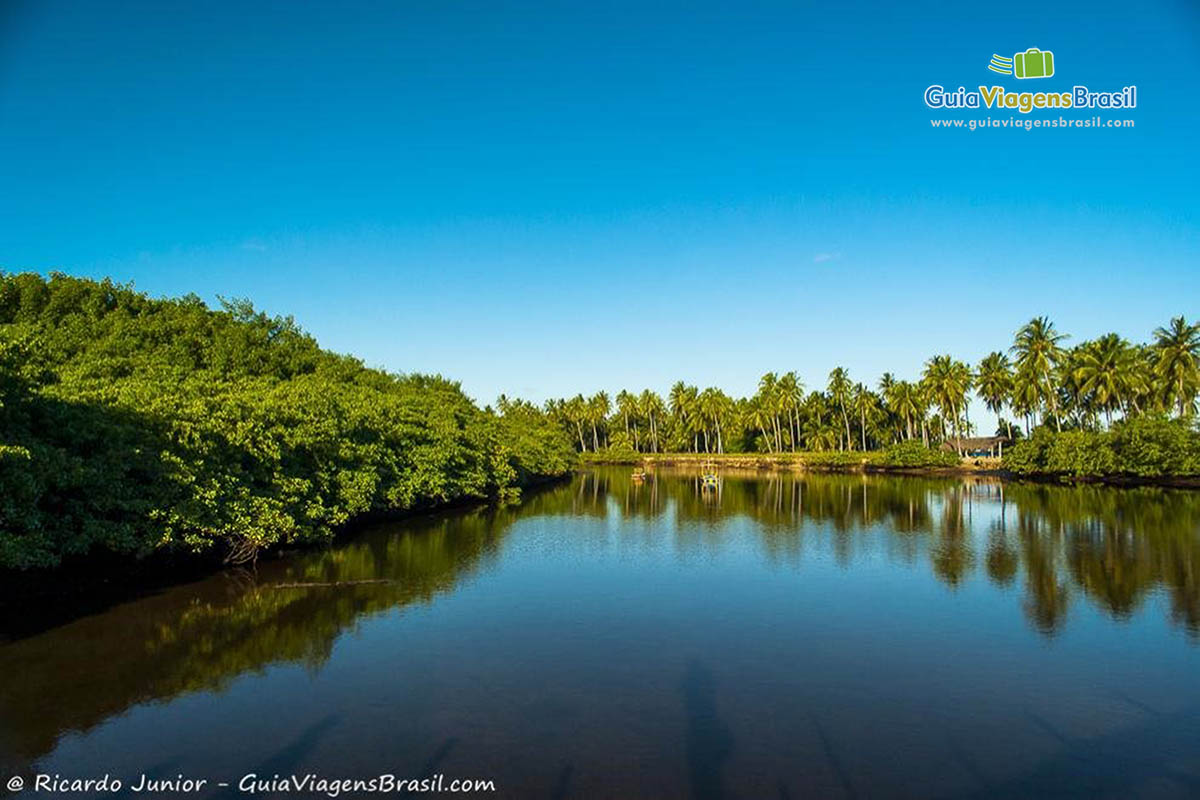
pixel 760 417
pixel 904 400
pixel 714 406
pixel 866 407
pixel 1073 400
pixel 839 393
pixel 1038 349
pixel 818 432
pixel 1177 347
pixel 1026 395
pixel 627 408
pixel 1103 370
pixel 683 402
pixel 949 381
pixel 598 407
pixel 768 399
pixel 994 383
pixel 791 395
pixel 576 411
pixel 887 394
pixel 651 407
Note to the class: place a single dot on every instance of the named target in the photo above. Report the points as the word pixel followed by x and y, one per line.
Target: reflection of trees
pixel 203 635
pixel 952 558
pixel 1046 595
pixel 1002 558
pixel 1113 546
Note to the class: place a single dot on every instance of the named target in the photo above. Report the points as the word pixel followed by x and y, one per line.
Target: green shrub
pixel 1155 447
pixel 838 458
pixel 1030 456
pixel 914 454
pixel 1144 447
pixel 1080 453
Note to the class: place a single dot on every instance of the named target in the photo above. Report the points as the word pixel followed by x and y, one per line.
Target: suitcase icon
pixel 1033 63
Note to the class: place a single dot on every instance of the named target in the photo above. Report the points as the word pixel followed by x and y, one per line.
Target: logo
pixel 1033 63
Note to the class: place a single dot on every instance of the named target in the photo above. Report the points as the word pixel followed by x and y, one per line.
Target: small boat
pixel 639 475
pixel 709 480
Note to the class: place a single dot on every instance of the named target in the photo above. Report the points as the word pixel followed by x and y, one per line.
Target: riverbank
pixel 873 462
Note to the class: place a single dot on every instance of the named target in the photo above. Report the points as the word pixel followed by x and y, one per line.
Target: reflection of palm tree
pixel 1002 559
pixel 1046 603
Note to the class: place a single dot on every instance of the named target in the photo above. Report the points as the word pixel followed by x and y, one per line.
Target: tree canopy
pixel 130 424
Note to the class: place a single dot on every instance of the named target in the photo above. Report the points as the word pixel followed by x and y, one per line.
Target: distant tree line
pixel 1039 381
pixel 130 425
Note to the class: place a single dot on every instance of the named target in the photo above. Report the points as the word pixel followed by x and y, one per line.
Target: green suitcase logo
pixel 1033 63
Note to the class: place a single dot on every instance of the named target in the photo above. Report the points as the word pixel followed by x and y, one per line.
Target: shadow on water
pixel 439 755
pixel 1158 748
pixel 836 765
pixel 562 786
pixel 708 742
pixel 293 757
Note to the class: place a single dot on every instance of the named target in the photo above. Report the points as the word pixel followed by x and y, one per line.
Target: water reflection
pixel 201 636
pixel 1113 546
pixel 1051 546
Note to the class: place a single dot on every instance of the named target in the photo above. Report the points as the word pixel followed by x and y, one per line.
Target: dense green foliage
pixel 1146 448
pixel 131 424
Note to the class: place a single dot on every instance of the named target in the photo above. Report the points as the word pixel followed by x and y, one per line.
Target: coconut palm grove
pixel 1070 401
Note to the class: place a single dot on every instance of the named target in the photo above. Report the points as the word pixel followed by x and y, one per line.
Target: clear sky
pixel 541 199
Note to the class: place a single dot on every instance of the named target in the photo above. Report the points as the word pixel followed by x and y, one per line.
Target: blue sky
pixel 541 199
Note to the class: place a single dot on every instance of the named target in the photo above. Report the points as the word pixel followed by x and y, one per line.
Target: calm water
pixel 779 637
